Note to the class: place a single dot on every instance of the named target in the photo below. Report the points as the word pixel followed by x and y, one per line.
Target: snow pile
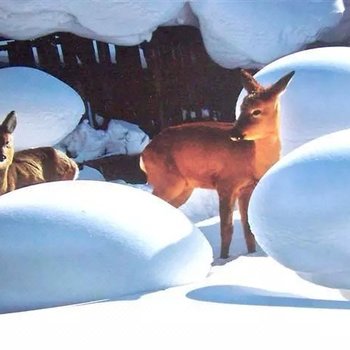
pixel 245 294
pixel 316 101
pixel 47 109
pixel 70 242
pixel 300 210
pixel 254 33
pixel 121 22
pixel 236 33
pixel 121 137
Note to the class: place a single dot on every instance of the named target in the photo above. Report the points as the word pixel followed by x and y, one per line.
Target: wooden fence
pixel 166 81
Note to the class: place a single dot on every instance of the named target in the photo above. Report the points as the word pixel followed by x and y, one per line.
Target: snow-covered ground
pixel 248 294
pixel 251 301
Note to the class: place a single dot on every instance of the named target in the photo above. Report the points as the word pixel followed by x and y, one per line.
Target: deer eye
pixel 256 113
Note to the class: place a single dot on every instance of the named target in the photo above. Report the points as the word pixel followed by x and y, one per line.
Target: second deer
pixel 32 166
pixel 230 158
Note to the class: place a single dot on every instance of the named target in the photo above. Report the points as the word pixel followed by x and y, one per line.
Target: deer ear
pixel 10 122
pixel 279 87
pixel 248 82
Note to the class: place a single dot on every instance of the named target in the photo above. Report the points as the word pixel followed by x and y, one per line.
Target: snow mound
pixel 300 210
pixel 79 241
pixel 316 101
pixel 235 33
pixel 47 109
pixel 121 22
pixel 121 137
pixel 255 33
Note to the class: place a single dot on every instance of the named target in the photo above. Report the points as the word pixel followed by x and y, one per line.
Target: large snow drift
pixel 70 242
pixel 300 210
pixel 254 33
pixel 316 101
pixel 236 33
pixel 122 22
pixel 47 109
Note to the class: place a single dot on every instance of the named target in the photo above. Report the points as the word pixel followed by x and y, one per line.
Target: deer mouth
pixel 237 138
pixel 236 135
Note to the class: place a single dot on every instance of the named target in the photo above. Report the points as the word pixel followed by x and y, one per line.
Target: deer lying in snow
pixel 30 166
pixel 230 158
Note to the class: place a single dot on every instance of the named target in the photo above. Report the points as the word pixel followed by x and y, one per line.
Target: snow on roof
pixel 236 33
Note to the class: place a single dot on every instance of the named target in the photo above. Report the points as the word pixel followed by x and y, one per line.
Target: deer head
pixel 7 128
pixel 259 109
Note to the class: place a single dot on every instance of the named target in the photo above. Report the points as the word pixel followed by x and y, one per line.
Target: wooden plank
pixel 49 58
pixel 128 58
pixel 21 53
pixel 85 51
pixel 69 44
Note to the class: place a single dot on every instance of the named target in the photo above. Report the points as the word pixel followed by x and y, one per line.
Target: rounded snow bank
pixel 47 108
pixel 255 33
pixel 316 101
pixel 72 242
pixel 300 210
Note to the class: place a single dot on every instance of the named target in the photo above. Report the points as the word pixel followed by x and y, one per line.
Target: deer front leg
pixel 243 202
pixel 226 202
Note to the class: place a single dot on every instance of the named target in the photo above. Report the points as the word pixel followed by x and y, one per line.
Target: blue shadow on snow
pixel 229 294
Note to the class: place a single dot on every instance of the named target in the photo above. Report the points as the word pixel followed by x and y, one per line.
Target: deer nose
pixel 2 157
pixel 236 135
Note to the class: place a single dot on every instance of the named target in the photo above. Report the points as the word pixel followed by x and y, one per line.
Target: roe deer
pixel 31 166
pixel 230 158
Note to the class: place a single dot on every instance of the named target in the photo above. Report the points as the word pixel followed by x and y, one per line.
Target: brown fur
pixel 31 166
pixel 228 158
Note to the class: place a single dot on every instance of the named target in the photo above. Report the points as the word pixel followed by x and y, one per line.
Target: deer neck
pixel 267 151
pixel 4 180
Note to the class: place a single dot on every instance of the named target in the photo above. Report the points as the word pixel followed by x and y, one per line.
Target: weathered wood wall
pixel 166 81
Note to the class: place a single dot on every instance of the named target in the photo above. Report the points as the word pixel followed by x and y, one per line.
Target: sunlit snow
pixel 47 109
pixel 80 241
pixel 300 210
pixel 316 101
pixel 235 33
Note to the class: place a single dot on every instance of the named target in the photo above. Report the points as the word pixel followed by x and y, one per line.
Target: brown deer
pixel 31 166
pixel 230 158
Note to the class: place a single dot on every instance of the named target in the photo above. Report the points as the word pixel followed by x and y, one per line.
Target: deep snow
pixel 47 109
pixel 235 33
pixel 316 101
pixel 299 211
pixel 83 241
pixel 251 302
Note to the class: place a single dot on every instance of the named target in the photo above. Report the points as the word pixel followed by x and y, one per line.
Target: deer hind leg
pixel 172 188
pixel 226 202
pixel 243 202
pixel 182 197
